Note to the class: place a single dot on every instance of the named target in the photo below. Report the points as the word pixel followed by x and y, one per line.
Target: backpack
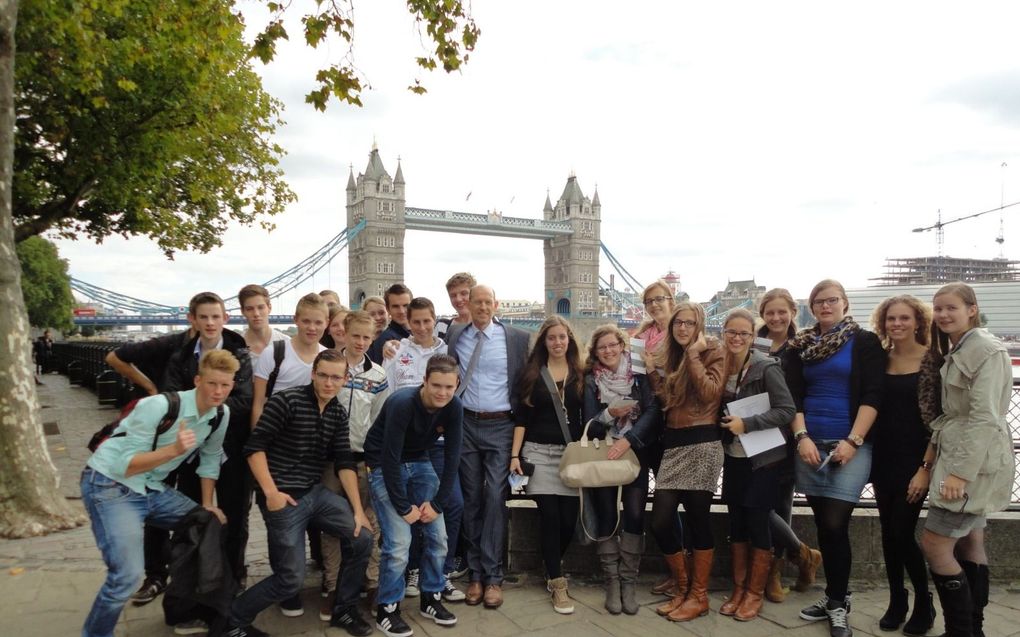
pixel 167 421
pixel 279 351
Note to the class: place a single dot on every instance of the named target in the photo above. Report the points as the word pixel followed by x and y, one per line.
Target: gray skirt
pixel 691 467
pixel 546 479
pixel 953 523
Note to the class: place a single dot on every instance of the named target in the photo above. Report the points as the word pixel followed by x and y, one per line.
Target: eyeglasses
pixel 606 348
pixel 682 322
pixel 735 334
pixel 661 300
pixel 831 301
pixel 330 377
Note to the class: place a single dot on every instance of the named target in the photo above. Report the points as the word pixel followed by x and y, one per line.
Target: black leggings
pixel 697 504
pixel 750 524
pixel 557 518
pixel 899 544
pixel 832 518
pixel 784 540
pixel 634 497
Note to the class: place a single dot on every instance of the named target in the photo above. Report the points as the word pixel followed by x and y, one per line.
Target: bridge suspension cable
pixel 118 300
pixel 618 298
pixel 627 277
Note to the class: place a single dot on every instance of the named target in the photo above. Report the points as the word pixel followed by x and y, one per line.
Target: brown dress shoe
pixel 473 597
pixel 493 596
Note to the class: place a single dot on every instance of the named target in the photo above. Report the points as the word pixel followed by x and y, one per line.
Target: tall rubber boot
pixel 750 606
pixel 609 556
pixel 954 594
pixel 977 578
pixel 739 552
pixel 696 604
pixel 677 563
pixel 632 546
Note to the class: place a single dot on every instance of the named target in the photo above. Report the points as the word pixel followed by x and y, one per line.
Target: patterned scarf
pixel 929 388
pixel 813 347
pixel 615 384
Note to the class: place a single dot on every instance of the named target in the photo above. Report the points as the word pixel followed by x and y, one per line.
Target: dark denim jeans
pixel 422 485
pixel 453 511
pixel 286 528
pixel 484 467
pixel 118 515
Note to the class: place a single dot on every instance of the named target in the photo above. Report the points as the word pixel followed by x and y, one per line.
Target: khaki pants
pixel 331 545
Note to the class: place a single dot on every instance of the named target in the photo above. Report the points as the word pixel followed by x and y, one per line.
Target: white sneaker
pixel 451 593
pixel 411 589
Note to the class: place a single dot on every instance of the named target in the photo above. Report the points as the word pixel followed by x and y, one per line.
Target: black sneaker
pixel 460 568
pixel 245 631
pixel 151 588
pixel 351 620
pixel 388 620
pixel 820 610
pixel 432 608
pixel 839 626
pixel 292 607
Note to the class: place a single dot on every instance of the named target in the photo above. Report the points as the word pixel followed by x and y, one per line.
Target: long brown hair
pixel 940 340
pixel 732 364
pixel 674 390
pixel 922 316
pixel 539 358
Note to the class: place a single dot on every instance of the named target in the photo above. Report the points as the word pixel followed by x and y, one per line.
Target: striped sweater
pixel 298 441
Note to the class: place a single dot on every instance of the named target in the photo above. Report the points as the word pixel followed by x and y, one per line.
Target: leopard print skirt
pixel 694 467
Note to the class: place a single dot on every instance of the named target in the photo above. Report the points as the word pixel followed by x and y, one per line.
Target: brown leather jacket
pixel 708 373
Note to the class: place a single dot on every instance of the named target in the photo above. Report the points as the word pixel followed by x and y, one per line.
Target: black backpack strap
pixel 279 351
pixel 173 400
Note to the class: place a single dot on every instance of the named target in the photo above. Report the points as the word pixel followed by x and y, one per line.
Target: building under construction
pixel 936 270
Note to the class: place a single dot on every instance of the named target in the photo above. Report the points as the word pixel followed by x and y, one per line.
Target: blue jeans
pixel 286 528
pixel 453 511
pixel 484 467
pixel 118 515
pixel 422 485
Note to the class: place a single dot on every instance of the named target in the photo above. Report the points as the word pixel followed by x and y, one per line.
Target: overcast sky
pixel 782 141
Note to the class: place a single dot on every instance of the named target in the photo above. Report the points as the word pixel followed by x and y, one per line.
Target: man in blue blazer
pixel 491 356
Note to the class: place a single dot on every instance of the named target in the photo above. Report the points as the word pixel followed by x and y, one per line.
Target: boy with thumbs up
pixel 122 486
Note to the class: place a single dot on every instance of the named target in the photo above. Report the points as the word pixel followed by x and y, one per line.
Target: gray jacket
pixel 971 437
pixel 765 375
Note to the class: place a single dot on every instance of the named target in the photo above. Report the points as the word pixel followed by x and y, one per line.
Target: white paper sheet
pixel 756 442
pixel 750 406
pixel 637 351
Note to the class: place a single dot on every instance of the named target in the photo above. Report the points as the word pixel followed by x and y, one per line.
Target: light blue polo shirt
pixel 115 454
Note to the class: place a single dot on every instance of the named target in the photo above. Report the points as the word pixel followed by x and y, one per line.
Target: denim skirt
pixel 839 482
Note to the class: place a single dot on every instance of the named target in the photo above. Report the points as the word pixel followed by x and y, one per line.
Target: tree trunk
pixel 30 500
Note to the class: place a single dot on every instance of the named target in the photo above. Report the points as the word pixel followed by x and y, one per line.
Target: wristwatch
pixel 800 435
pixel 855 440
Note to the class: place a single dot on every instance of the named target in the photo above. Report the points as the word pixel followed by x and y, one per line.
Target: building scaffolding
pixel 939 269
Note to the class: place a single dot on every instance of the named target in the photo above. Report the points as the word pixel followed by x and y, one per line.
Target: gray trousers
pixel 484 467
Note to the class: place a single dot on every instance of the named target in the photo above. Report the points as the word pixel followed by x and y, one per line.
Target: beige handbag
pixel 585 463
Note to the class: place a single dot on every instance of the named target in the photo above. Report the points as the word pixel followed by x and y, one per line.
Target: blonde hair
pixel 651 287
pixel 312 302
pixel 778 294
pixel 674 389
pixel 828 283
pixel 922 316
pixel 939 339
pixel 218 360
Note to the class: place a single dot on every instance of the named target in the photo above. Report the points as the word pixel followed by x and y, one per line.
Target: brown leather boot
pixel 808 560
pixel 739 551
pixel 750 606
pixel 665 586
pixel 677 563
pixel 774 591
pixel 696 603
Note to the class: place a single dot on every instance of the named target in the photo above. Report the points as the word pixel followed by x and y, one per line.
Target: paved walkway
pixel 47 584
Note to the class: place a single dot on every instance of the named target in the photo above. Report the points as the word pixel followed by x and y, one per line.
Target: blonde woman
pixel 970 457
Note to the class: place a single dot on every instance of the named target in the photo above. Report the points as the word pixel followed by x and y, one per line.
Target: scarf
pixel 929 388
pixel 615 384
pixel 814 347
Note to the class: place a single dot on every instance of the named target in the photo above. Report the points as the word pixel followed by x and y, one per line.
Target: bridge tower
pixel 572 262
pixel 376 254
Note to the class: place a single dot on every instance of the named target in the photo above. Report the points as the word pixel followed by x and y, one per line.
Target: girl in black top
pixel 539 440
pixel 901 438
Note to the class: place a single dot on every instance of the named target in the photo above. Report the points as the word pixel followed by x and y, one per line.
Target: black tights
pixel 750 524
pixel 634 498
pixel 697 504
pixel 832 518
pixel 899 544
pixel 557 518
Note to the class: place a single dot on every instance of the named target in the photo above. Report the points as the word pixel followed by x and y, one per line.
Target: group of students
pixel 394 435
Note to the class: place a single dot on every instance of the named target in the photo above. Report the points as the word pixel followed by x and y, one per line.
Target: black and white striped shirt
pixel 298 441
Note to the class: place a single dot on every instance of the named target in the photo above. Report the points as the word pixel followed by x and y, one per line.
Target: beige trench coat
pixel 972 437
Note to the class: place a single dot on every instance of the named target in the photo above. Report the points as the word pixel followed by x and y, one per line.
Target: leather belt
pixel 488 415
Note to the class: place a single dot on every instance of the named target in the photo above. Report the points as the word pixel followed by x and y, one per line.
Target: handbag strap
pixel 561 411
pixel 580 515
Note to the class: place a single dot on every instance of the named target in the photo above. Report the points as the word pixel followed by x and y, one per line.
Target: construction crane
pixel 939 225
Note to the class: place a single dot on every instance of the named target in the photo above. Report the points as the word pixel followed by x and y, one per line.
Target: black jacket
pixel 183 367
pixel 202 585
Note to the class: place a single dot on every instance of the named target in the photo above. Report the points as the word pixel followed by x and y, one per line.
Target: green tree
pixel 141 117
pixel 45 284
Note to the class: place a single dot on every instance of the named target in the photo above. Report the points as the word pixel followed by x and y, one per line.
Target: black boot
pixel 897 611
pixel 977 578
pixel 923 617
pixel 954 594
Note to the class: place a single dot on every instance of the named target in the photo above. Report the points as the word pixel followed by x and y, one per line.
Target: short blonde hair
pixel 312 302
pixel 218 360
